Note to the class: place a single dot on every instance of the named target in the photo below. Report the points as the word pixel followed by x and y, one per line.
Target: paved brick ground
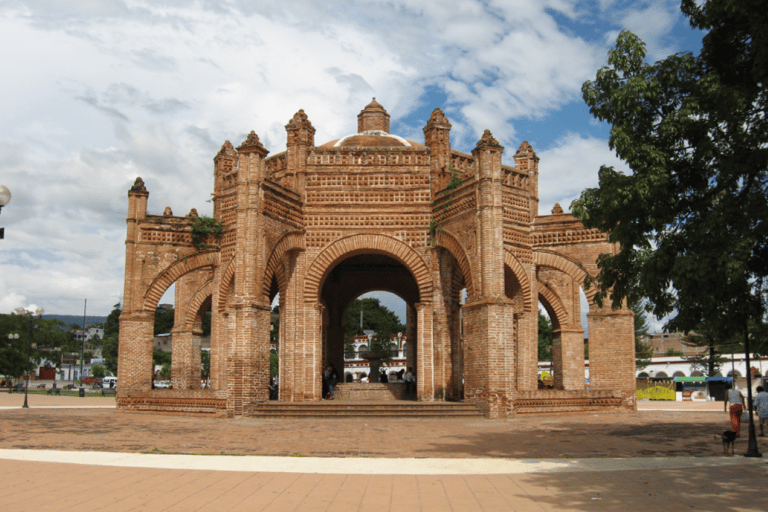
pixel 669 431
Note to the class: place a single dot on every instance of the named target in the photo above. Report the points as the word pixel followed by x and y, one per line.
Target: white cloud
pixel 96 93
pixel 653 21
pixel 571 166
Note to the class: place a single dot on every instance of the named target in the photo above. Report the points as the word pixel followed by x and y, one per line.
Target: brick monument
pixel 321 224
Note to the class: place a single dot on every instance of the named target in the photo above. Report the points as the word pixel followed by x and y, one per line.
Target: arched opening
pixel 366 317
pixel 345 292
pixel 274 343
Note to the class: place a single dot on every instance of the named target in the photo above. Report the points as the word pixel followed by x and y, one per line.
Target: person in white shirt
pixel 761 404
pixel 734 397
pixel 410 381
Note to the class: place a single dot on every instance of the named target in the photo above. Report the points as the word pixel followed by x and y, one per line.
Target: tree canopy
pixel 643 350
pixel 47 337
pixel 111 343
pixel 690 219
pixel 376 318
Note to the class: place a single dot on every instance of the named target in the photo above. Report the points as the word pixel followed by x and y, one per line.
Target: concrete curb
pixel 366 466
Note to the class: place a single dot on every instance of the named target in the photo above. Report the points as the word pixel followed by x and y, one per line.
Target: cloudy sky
pixel 98 92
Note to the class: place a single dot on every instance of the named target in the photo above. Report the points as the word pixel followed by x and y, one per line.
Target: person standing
pixel 761 404
pixel 332 379
pixel 409 381
pixel 734 397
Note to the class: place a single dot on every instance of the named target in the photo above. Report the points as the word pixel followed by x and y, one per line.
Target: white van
pixel 109 383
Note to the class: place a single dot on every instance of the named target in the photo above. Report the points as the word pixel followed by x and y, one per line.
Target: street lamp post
pixel 30 316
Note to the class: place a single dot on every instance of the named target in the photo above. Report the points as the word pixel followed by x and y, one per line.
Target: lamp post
pixel 5 198
pixel 11 338
pixel 30 316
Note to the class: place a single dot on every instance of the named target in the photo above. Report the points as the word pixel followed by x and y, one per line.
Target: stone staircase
pixel 332 409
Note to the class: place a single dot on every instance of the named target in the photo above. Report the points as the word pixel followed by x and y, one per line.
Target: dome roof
pixel 371 139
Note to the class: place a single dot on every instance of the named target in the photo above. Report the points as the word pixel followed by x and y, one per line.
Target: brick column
pixel 490 215
pixel 291 328
pixel 437 138
pixel 612 352
pixel 489 360
pixel 425 367
pixel 410 336
pixel 135 353
pixel 568 358
pixel 181 359
pixel 312 359
pixel 301 138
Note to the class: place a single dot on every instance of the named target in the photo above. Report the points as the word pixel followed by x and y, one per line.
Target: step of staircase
pixel 365 409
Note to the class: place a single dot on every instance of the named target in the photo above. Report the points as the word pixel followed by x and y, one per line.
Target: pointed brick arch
pixel 362 244
pixel 289 242
pixel 566 265
pixel 556 307
pixel 449 242
pixel 201 295
pixel 171 274
pixel 227 277
pixel 522 277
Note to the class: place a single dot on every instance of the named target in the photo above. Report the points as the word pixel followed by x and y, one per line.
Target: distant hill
pixel 74 319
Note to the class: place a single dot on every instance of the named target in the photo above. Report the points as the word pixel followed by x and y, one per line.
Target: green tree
pixel 160 357
pixel 48 338
pixel 349 348
pixel 376 318
pixel 545 338
pixel 109 348
pixel 112 323
pixel 98 371
pixel 206 324
pixel 111 342
pixel 163 320
pixel 690 219
pixel 379 319
pixel 165 371
pixel 643 350
pixel 274 362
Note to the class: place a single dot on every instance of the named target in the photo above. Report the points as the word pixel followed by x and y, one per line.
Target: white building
pixel 356 367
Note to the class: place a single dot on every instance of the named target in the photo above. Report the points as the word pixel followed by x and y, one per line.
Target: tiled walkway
pixel 612 462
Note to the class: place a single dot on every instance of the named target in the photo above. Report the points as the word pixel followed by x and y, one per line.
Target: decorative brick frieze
pixel 366 221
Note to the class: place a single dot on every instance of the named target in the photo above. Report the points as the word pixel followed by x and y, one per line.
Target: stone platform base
pixel 335 409
pixel 561 401
pixel 191 403
pixel 370 391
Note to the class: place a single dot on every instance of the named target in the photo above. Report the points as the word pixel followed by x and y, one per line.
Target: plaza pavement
pixel 71 453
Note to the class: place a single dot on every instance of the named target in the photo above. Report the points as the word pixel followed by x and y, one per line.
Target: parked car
pixel 109 382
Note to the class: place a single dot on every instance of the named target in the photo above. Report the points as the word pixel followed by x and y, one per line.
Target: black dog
pixel 729 436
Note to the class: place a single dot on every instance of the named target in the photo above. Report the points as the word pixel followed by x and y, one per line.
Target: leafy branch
pixel 203 229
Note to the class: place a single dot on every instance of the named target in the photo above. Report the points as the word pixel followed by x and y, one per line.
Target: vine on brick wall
pixel 435 226
pixel 203 229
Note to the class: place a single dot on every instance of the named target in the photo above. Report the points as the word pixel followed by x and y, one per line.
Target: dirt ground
pixel 656 430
